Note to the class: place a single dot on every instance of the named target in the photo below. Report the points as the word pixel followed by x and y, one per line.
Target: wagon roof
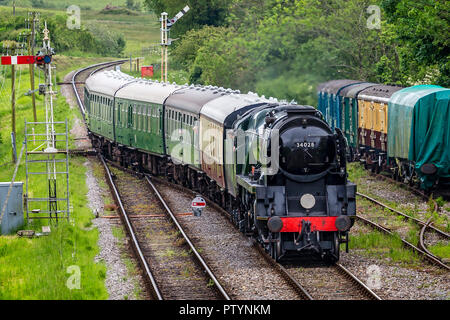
pixel 333 86
pixel 379 93
pixel 147 91
pixel 219 109
pixel 353 90
pixel 108 82
pixel 193 98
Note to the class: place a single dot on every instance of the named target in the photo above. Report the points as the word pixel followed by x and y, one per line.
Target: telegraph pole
pixel 13 99
pixel 33 16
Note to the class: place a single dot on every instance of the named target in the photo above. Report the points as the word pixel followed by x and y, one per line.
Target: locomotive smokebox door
pixel 197 205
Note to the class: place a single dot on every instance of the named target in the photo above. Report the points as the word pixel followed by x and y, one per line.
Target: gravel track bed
pixel 325 282
pixel 391 192
pixel 397 282
pixel 404 199
pixel 431 238
pixel 169 258
pixel 119 283
pixel 231 256
pixel 78 131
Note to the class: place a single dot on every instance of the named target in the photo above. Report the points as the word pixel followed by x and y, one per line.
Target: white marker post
pixel 197 205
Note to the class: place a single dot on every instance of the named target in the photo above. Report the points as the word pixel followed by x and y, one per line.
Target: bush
pixel 118 10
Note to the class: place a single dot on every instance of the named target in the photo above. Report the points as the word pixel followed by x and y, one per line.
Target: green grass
pixel 441 249
pixel 141 31
pixel 375 244
pixel 37 268
pixel 83 4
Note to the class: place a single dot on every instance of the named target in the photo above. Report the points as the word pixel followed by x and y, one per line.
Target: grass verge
pixel 38 268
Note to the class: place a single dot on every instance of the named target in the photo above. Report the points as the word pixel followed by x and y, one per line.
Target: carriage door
pixel 130 132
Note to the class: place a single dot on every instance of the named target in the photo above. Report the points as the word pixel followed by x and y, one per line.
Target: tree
pixel 421 29
pixel 201 13
pixel 133 5
pixel 223 60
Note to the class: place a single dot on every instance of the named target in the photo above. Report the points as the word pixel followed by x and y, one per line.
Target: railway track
pixel 393 224
pixel 297 287
pixel 80 76
pixel 331 282
pixel 407 187
pixel 169 260
pixel 420 249
pixel 424 225
pixel 346 285
pixel 407 217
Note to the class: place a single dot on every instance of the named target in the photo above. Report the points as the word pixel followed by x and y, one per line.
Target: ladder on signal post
pixel 42 167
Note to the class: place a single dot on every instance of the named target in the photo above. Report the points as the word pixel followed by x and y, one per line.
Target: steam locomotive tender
pixel 277 168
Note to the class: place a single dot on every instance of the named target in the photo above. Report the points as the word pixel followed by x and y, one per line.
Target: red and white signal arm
pixel 198 202
pixel 9 60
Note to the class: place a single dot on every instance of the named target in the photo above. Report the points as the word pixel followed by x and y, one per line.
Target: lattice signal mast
pixel 165 41
pixel 50 129
pixel 52 153
pixel 47 51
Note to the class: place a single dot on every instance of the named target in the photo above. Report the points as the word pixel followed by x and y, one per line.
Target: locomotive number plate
pixel 305 144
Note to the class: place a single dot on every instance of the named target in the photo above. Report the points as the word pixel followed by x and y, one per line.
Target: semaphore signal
pixel 166 24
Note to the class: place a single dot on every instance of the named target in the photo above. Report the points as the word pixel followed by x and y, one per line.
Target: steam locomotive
pixel 276 167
